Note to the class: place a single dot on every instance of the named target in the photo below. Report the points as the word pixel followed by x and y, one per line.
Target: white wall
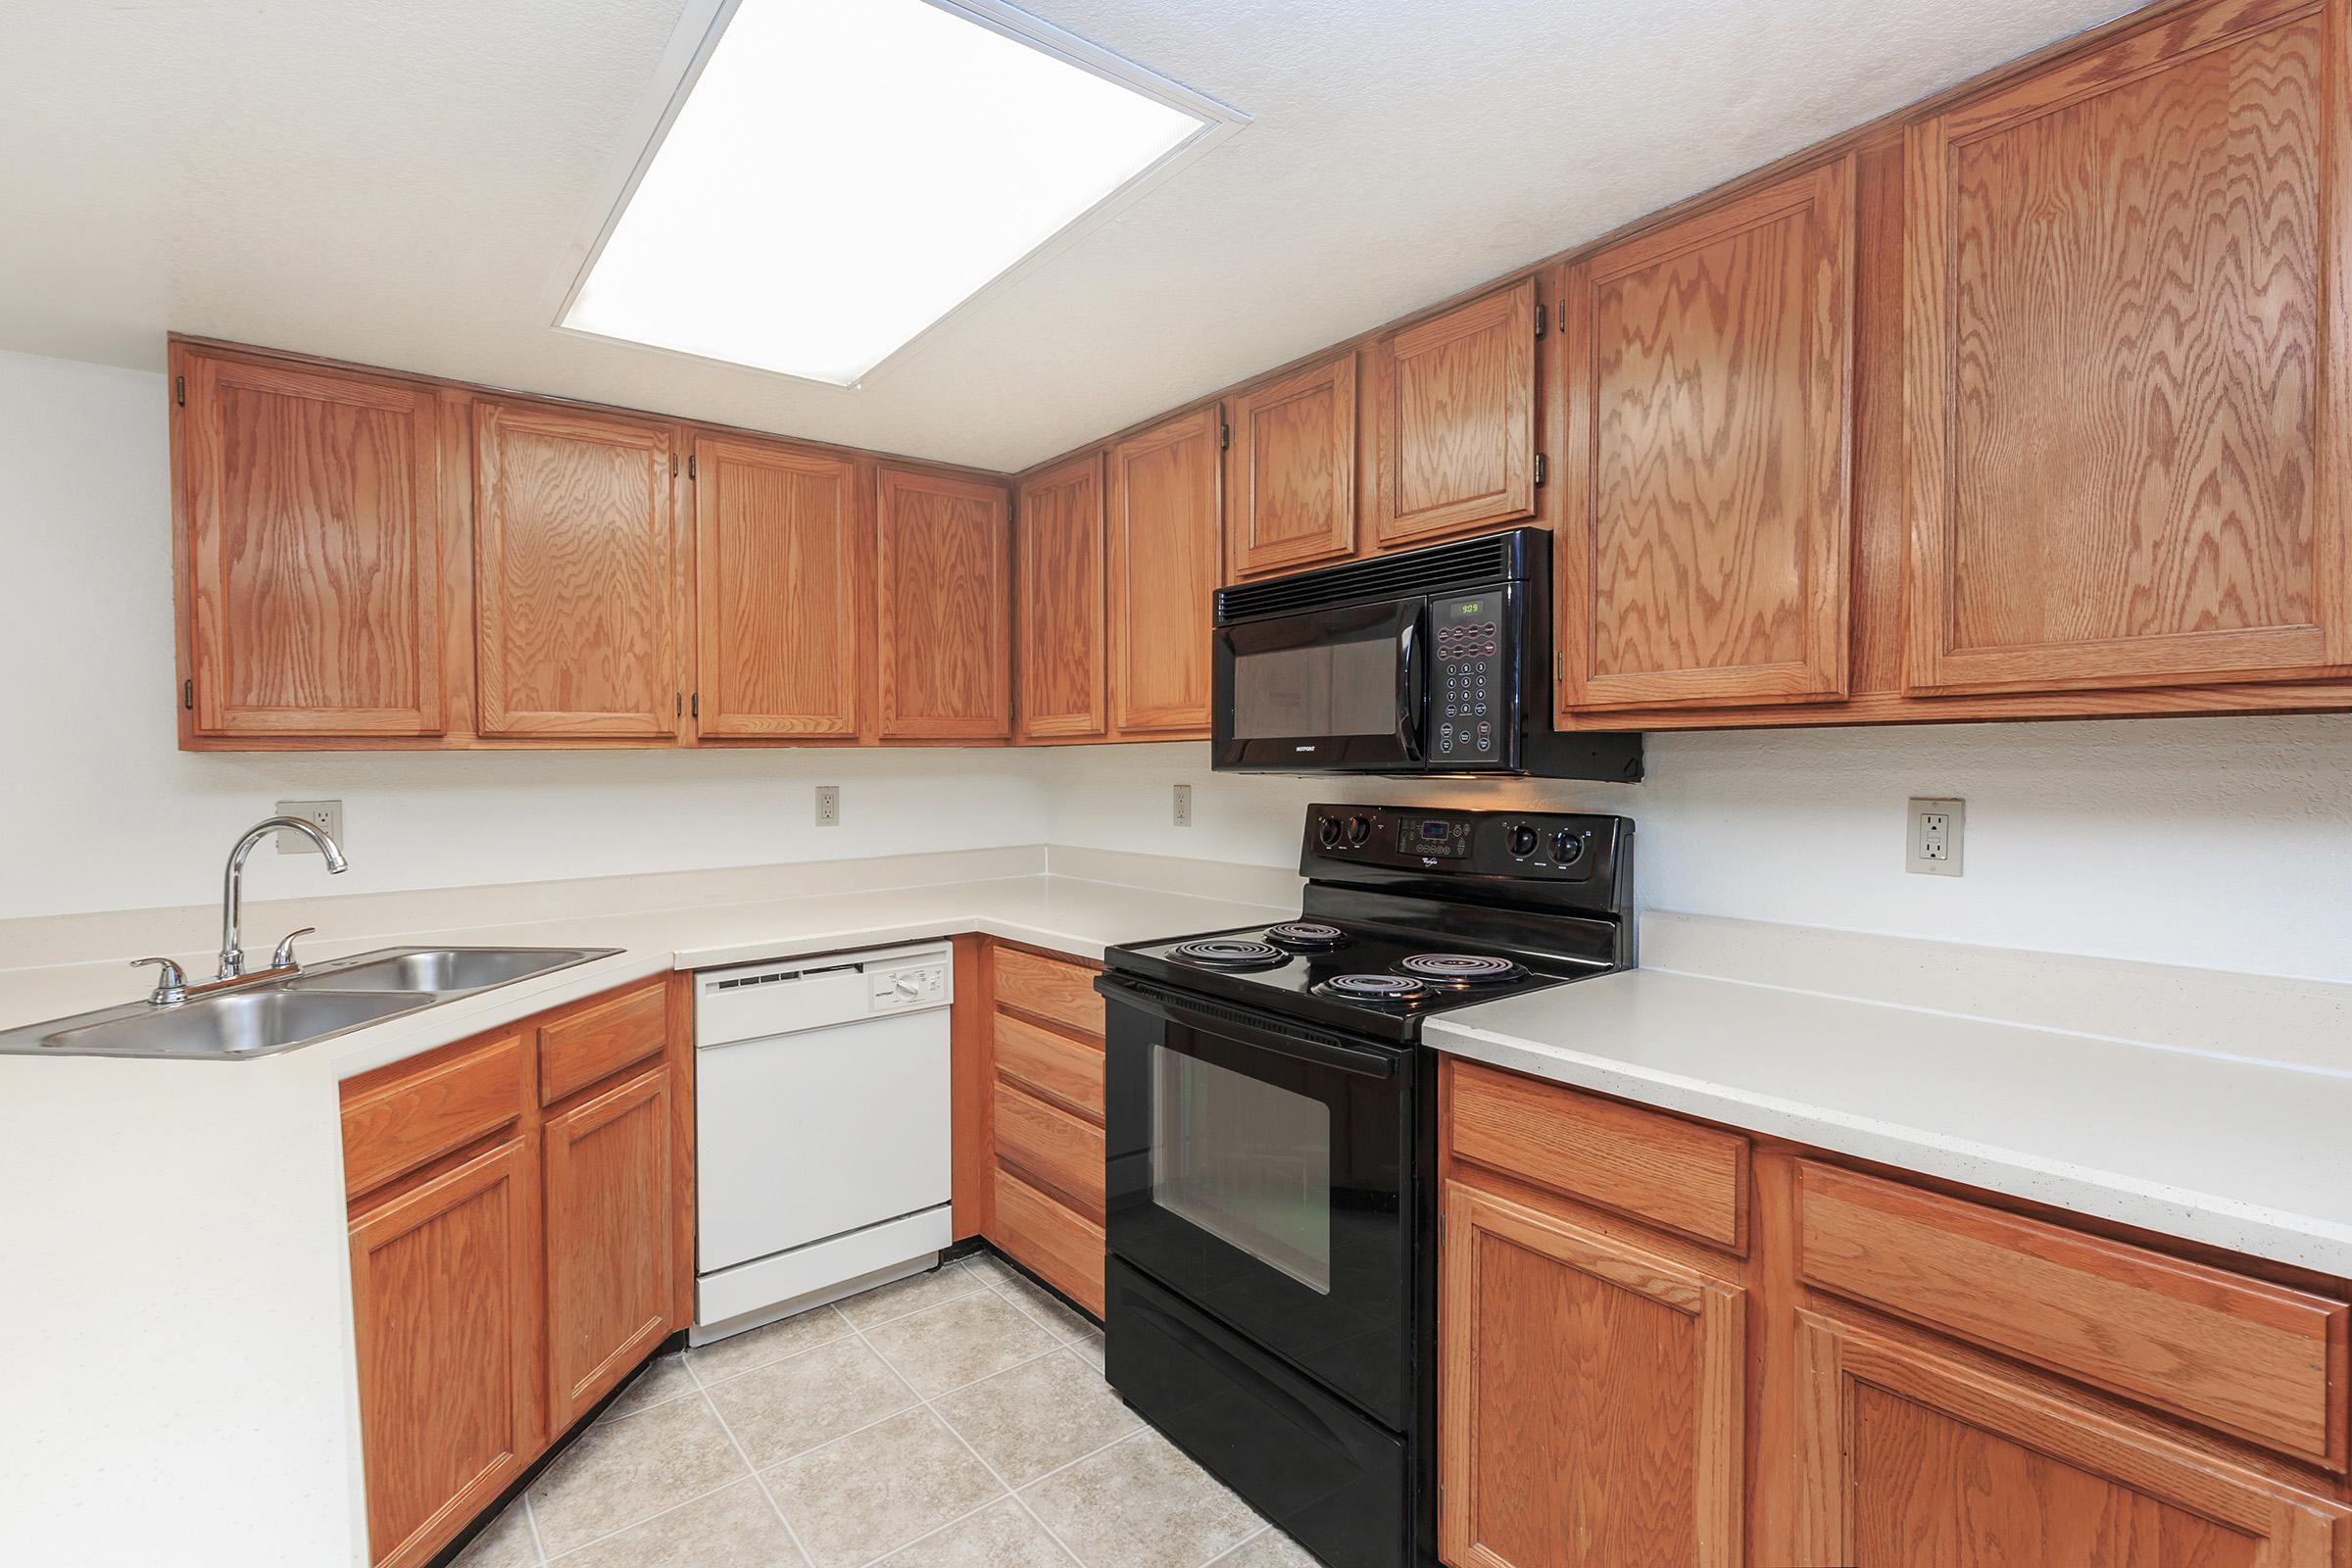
pixel 100 811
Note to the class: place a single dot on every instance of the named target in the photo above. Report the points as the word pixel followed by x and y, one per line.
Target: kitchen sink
pixel 271 1016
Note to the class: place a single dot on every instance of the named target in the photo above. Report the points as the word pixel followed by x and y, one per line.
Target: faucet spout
pixel 232 881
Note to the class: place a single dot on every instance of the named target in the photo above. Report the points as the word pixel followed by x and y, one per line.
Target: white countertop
pixel 2244 1149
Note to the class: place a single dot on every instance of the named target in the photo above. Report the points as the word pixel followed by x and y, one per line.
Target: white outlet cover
pixel 329 814
pixel 1184 806
pixel 1915 854
pixel 828 805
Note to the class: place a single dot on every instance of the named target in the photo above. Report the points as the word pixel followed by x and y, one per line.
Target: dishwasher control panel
pixel 788 996
pixel 898 987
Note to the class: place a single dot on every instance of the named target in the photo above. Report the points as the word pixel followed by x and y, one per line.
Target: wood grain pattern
pixel 1917 1460
pixel 1056 1152
pixel 1056 990
pixel 598 1038
pixel 1165 501
pixel 312 505
pixel 943 558
pixel 1665 1171
pixel 1290 471
pixel 2118 326
pixel 609 1202
pixel 1704 530
pixel 575 574
pixel 783 549
pixel 971 1096
pixel 1052 1066
pixel 681 1064
pixel 2236 1353
pixel 432 1107
pixel 1590 1398
pixel 1061 1245
pixel 1060 631
pixel 445 1317
pixel 1454 419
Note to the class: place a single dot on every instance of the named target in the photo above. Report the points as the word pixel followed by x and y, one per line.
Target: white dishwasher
pixel 821 1129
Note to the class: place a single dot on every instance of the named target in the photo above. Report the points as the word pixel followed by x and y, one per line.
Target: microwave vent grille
pixel 1469 563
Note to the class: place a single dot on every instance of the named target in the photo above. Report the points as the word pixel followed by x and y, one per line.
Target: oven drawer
pixel 1675 1174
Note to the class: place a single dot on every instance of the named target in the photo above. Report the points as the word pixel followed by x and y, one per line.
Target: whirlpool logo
pixel 1305 748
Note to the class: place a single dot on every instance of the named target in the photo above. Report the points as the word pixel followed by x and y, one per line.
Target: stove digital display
pixel 1436 837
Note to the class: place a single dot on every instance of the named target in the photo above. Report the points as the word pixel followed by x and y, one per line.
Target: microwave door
pixel 1331 690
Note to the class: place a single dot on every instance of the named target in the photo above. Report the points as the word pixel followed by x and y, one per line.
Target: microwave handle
pixel 1413 713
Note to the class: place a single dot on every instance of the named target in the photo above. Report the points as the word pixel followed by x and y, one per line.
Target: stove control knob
pixel 1567 847
pixel 1359 830
pixel 1327 832
pixel 1522 839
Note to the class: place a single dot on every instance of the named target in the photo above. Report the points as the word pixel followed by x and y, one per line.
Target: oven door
pixel 1337 689
pixel 1265 1173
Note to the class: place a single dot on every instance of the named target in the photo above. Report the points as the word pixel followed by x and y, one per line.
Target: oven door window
pixel 1245 1161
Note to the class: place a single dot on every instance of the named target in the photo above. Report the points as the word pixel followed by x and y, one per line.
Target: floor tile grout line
pixel 530 1517
pixel 1260 1534
pixel 807 1559
pixel 660 1512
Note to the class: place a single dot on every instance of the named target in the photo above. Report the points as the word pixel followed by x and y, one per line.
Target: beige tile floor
pixel 957 1419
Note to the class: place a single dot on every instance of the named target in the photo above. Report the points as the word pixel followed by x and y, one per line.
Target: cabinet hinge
pixel 1539 315
pixel 180 391
pixel 187 695
pixel 694 705
pixel 1558 673
pixel 689 467
pixel 681 705
pixel 1543 469
pixel 673 467
pixel 1224 436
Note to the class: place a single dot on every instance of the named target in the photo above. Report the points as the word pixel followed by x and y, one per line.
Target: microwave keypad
pixel 1466 690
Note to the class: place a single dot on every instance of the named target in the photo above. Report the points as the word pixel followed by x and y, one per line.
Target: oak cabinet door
pixel 1453 420
pixel 1910 1459
pixel 1704 532
pixel 1290 471
pixel 445 1314
pixel 943 554
pixel 2125 441
pixel 575 574
pixel 1590 1398
pixel 1060 634
pixel 609 1238
pixel 783 548
pixel 1164 535
pixel 313 507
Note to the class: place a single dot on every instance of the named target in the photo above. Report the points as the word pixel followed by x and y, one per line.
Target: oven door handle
pixel 1213 1018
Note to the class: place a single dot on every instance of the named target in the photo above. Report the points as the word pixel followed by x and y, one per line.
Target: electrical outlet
pixel 1937 827
pixel 1184 806
pixel 828 805
pixel 329 814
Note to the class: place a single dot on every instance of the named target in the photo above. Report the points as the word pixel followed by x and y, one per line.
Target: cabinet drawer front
pixel 1050 989
pixel 1051 1147
pixel 1061 1245
pixel 1674 1174
pixel 1053 1066
pixel 416 1117
pixel 577 1048
pixel 2238 1355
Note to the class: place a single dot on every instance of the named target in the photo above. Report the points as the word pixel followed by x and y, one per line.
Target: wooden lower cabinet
pixel 609 1215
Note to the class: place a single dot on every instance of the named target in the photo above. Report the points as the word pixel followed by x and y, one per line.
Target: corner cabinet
pixel 1453 420
pixel 943 558
pixel 1704 529
pixel 1059 630
pixel 2129 445
pixel 1165 534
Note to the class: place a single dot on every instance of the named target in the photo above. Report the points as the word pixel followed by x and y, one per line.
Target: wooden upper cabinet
pixel 1704 523
pixel 1164 533
pixel 1453 420
pixel 1906 1456
pixel 1060 631
pixel 783 554
pixel 575 574
pixel 1591 1398
pixel 1290 471
pixel 311 578
pixel 2127 442
pixel 943 552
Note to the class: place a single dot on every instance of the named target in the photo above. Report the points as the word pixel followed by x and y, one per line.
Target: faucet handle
pixel 283 958
pixel 170 982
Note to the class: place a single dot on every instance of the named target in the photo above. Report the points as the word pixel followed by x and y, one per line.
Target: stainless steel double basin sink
pixel 322 1000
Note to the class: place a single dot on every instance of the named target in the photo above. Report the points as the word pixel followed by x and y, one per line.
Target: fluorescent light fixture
pixel 841 175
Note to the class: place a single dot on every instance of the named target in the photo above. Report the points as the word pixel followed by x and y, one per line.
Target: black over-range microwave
pixel 1432 660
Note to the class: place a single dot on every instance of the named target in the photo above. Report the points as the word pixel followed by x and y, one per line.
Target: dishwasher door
pixel 808 1135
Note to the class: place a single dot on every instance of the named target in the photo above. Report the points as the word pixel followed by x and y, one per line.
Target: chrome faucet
pixel 232 955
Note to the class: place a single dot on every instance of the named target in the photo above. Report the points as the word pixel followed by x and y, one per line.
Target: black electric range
pixel 1270 1152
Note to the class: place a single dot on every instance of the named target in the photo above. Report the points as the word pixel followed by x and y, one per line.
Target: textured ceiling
pixel 400 182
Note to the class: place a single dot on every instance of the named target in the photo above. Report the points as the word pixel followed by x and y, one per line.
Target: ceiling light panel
pixel 844 173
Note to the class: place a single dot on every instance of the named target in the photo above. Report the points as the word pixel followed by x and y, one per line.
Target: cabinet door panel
pixel 574 573
pixel 1912 1462
pixel 314 512
pixel 2124 465
pixel 445 1314
pixel 1590 1398
pixel 1290 481
pixel 1704 530
pixel 1454 420
pixel 1058 546
pixel 609 1240
pixel 783 541
pixel 1165 547
pixel 943 556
